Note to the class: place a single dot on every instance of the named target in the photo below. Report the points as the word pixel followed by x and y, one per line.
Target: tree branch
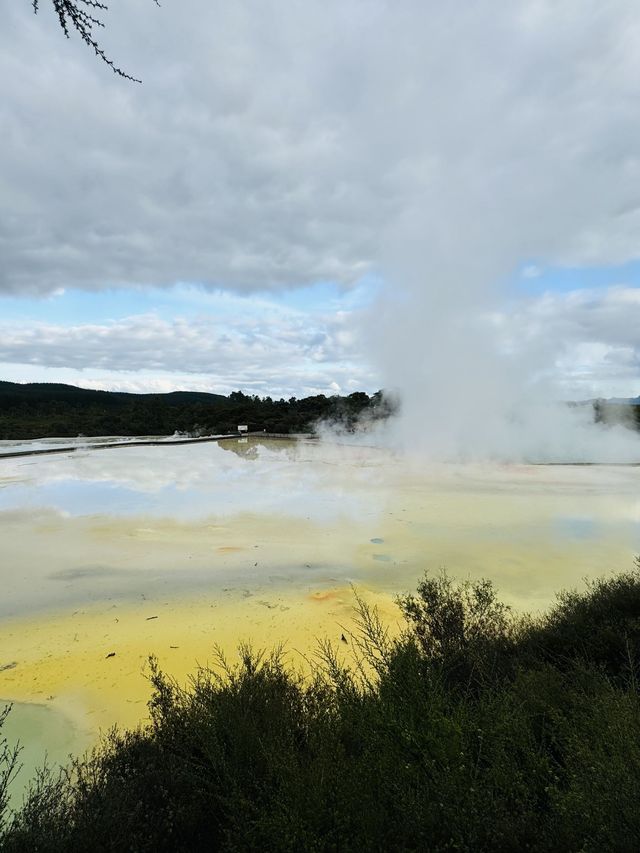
pixel 80 16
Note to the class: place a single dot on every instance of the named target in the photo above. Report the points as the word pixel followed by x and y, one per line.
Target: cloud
pixel 531 271
pixel 220 169
pixel 582 344
pixel 439 146
pixel 586 341
pixel 258 347
pixel 273 146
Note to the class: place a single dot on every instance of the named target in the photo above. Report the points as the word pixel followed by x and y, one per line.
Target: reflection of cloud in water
pixel 577 527
pixel 157 520
pixel 191 481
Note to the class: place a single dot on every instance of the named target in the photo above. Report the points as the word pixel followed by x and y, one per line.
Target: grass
pixel 474 730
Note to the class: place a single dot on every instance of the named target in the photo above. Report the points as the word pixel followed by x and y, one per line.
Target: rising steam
pixel 525 152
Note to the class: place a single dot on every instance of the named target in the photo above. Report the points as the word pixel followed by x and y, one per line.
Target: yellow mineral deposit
pixel 110 556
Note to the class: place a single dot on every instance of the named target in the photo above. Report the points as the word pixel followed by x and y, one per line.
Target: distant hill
pixel 40 409
pixel 55 391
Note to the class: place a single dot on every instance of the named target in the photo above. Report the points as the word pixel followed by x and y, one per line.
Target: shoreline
pixel 131 441
pixel 156 442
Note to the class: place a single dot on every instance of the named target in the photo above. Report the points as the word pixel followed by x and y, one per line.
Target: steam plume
pixel 525 147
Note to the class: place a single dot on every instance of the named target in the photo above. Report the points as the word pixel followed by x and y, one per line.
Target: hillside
pixel 37 410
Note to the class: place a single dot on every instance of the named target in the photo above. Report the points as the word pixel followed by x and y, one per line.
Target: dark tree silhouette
pixel 80 15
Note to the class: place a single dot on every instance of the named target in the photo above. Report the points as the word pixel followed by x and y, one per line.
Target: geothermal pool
pixel 109 555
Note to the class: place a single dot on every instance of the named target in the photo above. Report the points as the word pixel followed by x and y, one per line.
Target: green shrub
pixel 473 730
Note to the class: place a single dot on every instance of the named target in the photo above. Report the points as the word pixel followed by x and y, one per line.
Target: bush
pixel 473 730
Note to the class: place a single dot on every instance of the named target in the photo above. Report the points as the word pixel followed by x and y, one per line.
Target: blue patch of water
pixel 577 527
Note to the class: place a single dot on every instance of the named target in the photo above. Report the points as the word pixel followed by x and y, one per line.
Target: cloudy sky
pixel 307 197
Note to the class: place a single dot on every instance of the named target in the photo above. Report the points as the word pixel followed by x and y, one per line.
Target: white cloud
pixel 582 344
pixel 531 271
pixel 585 342
pixel 261 348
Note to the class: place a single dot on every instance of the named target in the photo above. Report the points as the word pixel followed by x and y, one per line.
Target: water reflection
pixel 181 482
pixel 158 520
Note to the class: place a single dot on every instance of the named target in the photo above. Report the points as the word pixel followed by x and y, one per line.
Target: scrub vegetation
pixel 471 730
pixel 38 410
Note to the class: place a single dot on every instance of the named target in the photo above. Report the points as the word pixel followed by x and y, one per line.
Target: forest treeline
pixel 37 410
pixel 611 412
pixel 472 730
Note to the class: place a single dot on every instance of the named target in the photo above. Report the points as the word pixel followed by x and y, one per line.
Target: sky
pixel 323 197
